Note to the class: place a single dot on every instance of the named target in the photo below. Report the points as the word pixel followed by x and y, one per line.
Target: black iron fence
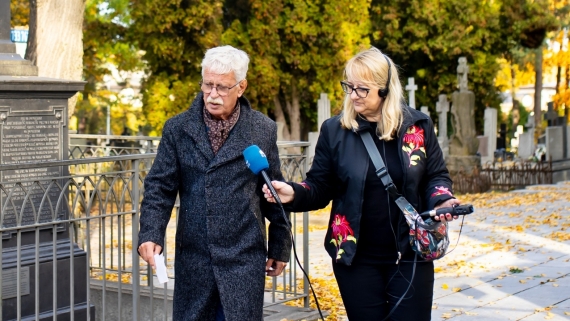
pixel 68 229
pixel 507 175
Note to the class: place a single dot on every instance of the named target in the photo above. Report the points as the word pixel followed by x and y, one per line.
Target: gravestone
pixel 551 115
pixel 526 144
pixel 463 144
pixel 323 113
pixel 502 139
pixel 442 108
pixel 411 87
pixel 483 150
pixel 324 110
pixel 554 139
pixel 425 110
pixel 34 129
pixel 526 140
pixel 490 133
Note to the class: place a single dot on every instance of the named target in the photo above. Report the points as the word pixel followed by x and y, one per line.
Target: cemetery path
pixel 512 261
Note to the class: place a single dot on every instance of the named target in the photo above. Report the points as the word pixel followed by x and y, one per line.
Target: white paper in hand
pixel 160 268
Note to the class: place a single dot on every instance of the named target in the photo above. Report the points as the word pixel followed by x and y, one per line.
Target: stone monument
pixel 411 87
pixel 463 144
pixel 323 113
pixel 33 129
pixel 442 108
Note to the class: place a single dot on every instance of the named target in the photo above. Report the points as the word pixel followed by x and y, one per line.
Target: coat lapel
pixel 196 128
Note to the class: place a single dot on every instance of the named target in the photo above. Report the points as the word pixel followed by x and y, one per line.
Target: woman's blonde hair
pixel 371 68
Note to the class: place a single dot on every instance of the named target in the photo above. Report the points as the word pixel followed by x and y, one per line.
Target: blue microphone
pixel 256 161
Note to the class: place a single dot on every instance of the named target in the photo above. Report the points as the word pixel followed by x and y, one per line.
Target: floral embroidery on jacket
pixel 341 232
pixel 441 190
pixel 413 141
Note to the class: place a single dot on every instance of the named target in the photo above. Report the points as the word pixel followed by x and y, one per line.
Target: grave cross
pixel 551 116
pixel 442 108
pixel 411 87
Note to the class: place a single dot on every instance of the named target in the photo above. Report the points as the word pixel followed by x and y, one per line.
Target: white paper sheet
pixel 160 268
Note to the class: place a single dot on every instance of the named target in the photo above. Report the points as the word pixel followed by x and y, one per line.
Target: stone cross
pixel 551 116
pixel 462 71
pixel 411 88
pixel 442 108
pixel 425 110
pixel 324 110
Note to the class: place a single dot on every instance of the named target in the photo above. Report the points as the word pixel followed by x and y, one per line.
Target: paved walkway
pixel 512 261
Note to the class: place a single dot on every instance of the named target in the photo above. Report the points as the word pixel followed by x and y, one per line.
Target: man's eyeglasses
pixel 222 90
pixel 360 92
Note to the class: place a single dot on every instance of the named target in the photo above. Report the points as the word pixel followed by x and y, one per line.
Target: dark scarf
pixel 219 129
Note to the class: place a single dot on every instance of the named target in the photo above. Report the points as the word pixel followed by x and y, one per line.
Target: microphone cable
pixel 290 226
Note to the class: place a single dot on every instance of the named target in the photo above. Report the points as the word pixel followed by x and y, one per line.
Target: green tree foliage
pixel 20 11
pixel 426 38
pixel 107 53
pixel 174 35
pixel 298 50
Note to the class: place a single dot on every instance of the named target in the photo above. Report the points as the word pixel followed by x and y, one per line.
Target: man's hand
pixel 274 268
pixel 447 217
pixel 147 250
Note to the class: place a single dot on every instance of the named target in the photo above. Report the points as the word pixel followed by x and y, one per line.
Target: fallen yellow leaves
pixel 559 236
pixel 549 315
pixel 329 298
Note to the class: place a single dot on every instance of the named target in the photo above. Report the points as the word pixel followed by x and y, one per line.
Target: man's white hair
pixel 225 59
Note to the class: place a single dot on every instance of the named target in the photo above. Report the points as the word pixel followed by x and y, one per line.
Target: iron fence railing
pixel 68 239
pixel 505 176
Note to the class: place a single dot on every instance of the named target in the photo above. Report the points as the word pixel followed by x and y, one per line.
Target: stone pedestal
pixel 464 140
pixel 34 129
pixel 465 164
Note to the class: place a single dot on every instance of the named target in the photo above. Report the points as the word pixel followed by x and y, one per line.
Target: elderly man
pixel 221 253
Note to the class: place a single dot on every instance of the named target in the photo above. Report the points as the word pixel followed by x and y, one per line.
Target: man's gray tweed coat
pixel 220 238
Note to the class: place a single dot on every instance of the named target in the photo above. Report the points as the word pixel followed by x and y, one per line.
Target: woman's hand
pixel 284 191
pixel 447 217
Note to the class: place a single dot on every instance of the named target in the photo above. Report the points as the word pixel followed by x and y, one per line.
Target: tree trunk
pixel 294 112
pixel 558 78
pixel 538 92
pixel 513 77
pixel 55 42
pixel 280 117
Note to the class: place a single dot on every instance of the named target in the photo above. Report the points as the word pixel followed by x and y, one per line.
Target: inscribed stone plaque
pixel 30 135
pixel 10 282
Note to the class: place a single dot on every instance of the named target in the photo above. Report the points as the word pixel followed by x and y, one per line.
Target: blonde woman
pixel 368 237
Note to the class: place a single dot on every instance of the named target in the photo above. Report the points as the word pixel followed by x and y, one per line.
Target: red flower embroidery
pixel 414 137
pixel 341 232
pixel 441 190
pixel 413 141
pixel 305 185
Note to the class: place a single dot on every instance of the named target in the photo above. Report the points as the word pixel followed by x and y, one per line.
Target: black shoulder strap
pixel 381 170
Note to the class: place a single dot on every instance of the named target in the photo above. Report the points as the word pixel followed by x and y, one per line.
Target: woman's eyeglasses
pixel 360 92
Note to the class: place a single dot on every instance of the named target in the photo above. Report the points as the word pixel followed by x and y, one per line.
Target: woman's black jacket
pixel 339 170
